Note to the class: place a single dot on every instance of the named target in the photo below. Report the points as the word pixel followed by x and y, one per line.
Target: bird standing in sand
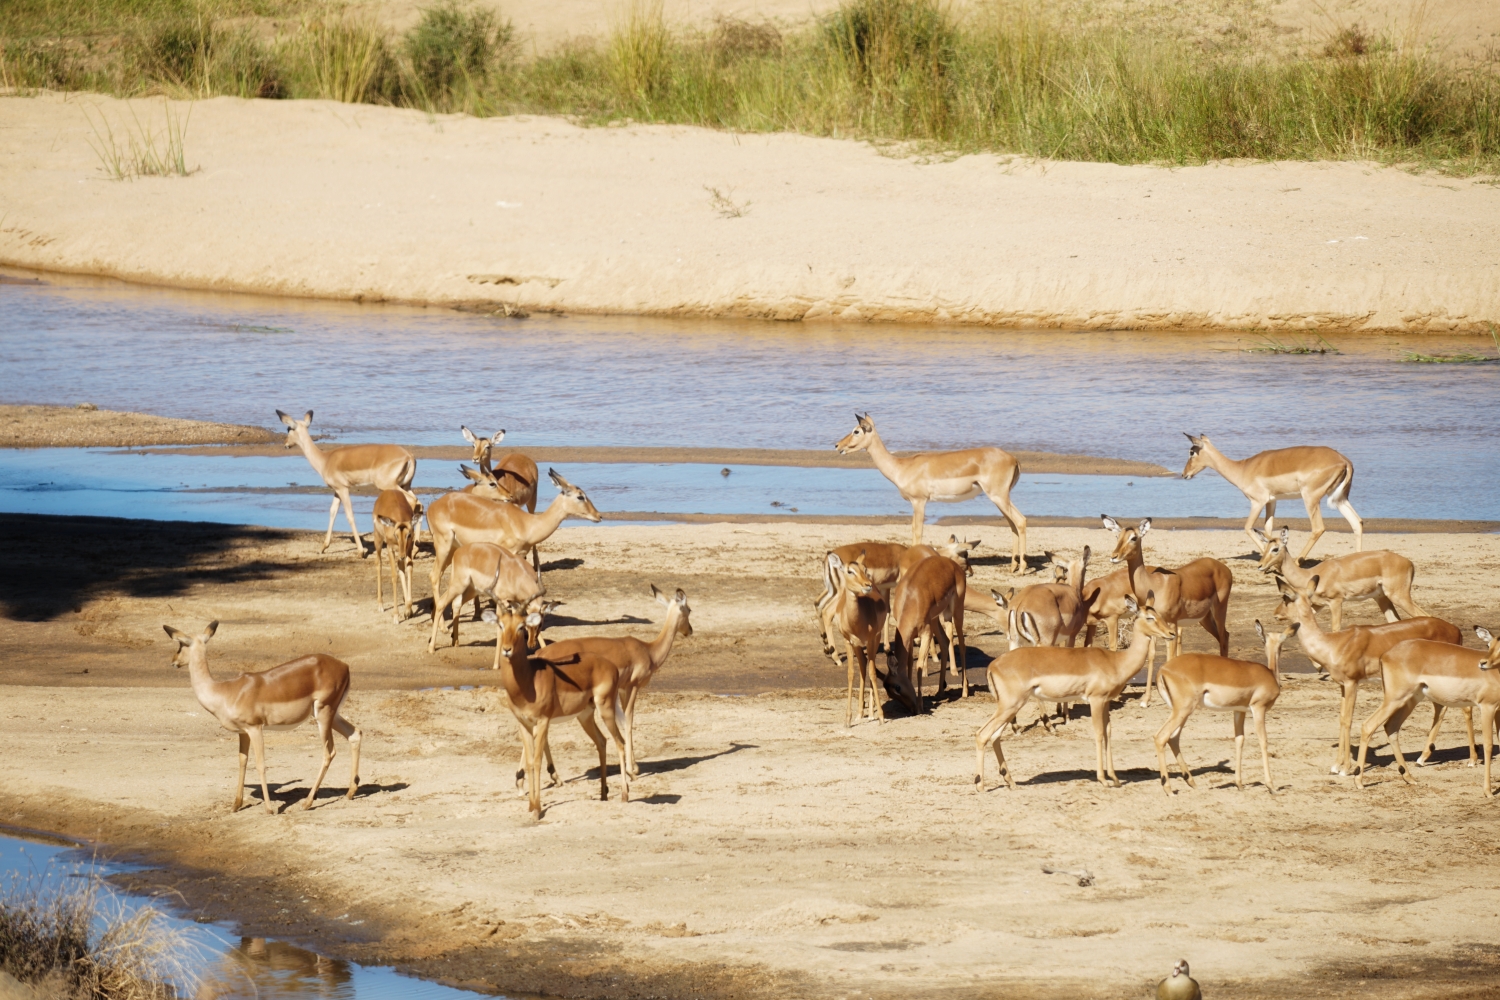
pixel 1179 985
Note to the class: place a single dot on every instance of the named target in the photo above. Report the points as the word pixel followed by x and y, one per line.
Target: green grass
pixel 1460 358
pixel 1271 345
pixel 905 71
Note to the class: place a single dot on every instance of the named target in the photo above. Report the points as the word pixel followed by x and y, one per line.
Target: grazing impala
pixel 481 569
pixel 1068 675
pixel 923 597
pixel 1198 590
pixel 463 518
pixel 1057 611
pixel 1446 675
pixel 1353 654
pixel 1196 680
pixel 397 514
pixel 949 610
pixel 540 692
pixel 859 613
pixel 1311 473
pixel 944 476
pixel 637 661
pixel 882 562
pixel 1382 576
pixel 384 466
pixel 283 697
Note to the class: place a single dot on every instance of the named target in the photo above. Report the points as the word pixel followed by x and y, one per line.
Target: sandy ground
pixel 767 850
pixel 358 202
pixel 86 426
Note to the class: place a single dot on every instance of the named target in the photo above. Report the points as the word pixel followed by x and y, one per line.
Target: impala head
pixel 517 621
pixel 858 439
pixel 678 600
pixel 579 504
pixel 1147 621
pixel 487 485
pixel 1273 640
pixel 294 426
pixel 958 551
pixel 1196 462
pixel 1003 599
pixel 482 445
pixel 186 642
pixel 1296 602
pixel 1273 550
pixel 1491 659
pixel 1126 539
pixel 400 534
pixel 542 608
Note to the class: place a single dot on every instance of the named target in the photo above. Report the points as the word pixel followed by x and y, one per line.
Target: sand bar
pixel 86 426
pixel 354 202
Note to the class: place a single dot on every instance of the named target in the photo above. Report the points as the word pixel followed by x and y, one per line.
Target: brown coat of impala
pixel 1058 611
pixel 514 478
pixel 882 562
pixel 636 660
pixel 859 613
pixel 1200 589
pixel 1066 675
pixel 1309 472
pixel 940 594
pixel 1449 676
pixel 541 692
pixel 1353 654
pixel 1198 680
pixel 1106 599
pixel 481 569
pixel 384 466
pixel 397 514
pixel 282 697
pixel 944 477
pixel 1379 575
pixel 464 518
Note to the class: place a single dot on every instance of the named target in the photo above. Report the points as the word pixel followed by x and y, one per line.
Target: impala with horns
pixel 542 691
pixel 1448 676
pixel 481 569
pixel 283 697
pixel 397 514
pixel 463 518
pixel 1198 680
pixel 882 561
pixel 1312 473
pixel 945 477
pixel 1354 654
pixel 1066 675
pixel 384 466
pixel 1379 575
pixel 859 613
pixel 1198 590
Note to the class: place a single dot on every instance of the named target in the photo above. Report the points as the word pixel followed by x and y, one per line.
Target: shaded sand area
pixel 767 851
pixel 309 198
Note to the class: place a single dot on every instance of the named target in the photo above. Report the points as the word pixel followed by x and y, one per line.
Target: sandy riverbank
pixel 86 426
pixel 359 202
pixel 768 850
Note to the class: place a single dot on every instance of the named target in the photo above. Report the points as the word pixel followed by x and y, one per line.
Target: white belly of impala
pixel 957 497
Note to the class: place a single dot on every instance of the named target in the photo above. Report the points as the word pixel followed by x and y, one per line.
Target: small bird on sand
pixel 1179 985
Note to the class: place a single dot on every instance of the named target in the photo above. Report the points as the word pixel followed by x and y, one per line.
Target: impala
pixel 1353 654
pixel 1446 675
pixel 923 597
pixel 636 661
pixel 397 514
pixel 384 466
pixel 462 519
pixel 516 473
pixel 1198 590
pixel 1313 473
pixel 859 613
pixel 1195 680
pixel 882 562
pixel 283 697
pixel 1382 576
pixel 481 569
pixel 1106 599
pixel 540 692
pixel 950 612
pixel 1067 675
pixel 944 476
pixel 1057 611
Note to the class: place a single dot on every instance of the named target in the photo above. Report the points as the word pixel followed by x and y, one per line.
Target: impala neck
pixel 1133 657
pixel 661 646
pixel 1292 573
pixel 889 465
pixel 1223 464
pixel 540 526
pixel 204 686
pixel 314 454
pixel 1316 643
pixel 1273 661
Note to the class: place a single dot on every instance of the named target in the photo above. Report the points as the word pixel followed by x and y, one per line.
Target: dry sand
pixel 359 202
pixel 86 426
pixel 767 850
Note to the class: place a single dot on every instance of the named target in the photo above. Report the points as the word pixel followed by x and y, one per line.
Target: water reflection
pixel 271 969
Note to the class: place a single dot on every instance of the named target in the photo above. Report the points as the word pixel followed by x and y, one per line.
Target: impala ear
pixel 1312 586
pixel 680 597
pixel 1130 604
pixel 1291 630
pixel 534 620
pixel 208 632
pixel 1086 553
pixel 660 597
pixel 498 436
pixel 1483 634
pixel 1259 631
pixel 864 422
pixel 1144 526
pixel 473 474
pixel 1261 535
pixel 468 434
pixel 999 599
pixel 185 639
pixel 488 615
pixel 286 419
pixel 1110 523
pixel 307 417
pixel 384 521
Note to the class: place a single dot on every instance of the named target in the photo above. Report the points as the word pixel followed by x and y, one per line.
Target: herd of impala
pixel 483 534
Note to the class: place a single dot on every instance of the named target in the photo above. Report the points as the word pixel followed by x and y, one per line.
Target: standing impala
pixel 1311 473
pixel 283 697
pixel 1068 675
pixel 384 466
pixel 461 518
pixel 515 475
pixel 944 476
pixel 397 514
pixel 1384 576
pixel 482 569
pixel 1198 590
pixel 882 561
pixel 859 612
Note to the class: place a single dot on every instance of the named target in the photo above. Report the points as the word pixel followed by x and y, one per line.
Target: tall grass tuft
pixel 640 52
pixel 141 151
pixel 74 940
pixel 345 57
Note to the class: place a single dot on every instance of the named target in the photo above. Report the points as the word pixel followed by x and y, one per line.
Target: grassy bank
pixel 1003 79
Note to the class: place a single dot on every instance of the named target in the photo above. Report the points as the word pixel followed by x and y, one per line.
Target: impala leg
pixel 1469 726
pixel 1259 712
pixel 1393 729
pixel 1170 733
pixel 1270 516
pixel 849 696
pixel 380 568
pixel 612 723
pixel 918 517
pixel 1487 723
pixel 1109 745
pixel 1336 611
pixel 439 602
pixel 989 734
pixel 1150 670
pixel 1344 507
pixel 1346 719
pixel 1112 624
pixel 534 769
pixel 258 742
pixel 1255 509
pixel 324 715
pixel 1383 602
pixel 1239 749
pixel 635 768
pixel 1017 526
pixel 586 720
pixel 239 786
pixel 1437 723
pixel 1097 712
pixel 350 732
pixel 359 543
pixel 333 513
pixel 1315 521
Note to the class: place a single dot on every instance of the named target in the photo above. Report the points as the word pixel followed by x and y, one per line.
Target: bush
pixel 452 48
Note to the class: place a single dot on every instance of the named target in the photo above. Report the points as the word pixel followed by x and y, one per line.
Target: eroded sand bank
pixel 310 198
pixel 768 851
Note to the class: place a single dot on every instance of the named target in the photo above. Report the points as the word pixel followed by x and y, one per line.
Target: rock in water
pixel 1179 985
